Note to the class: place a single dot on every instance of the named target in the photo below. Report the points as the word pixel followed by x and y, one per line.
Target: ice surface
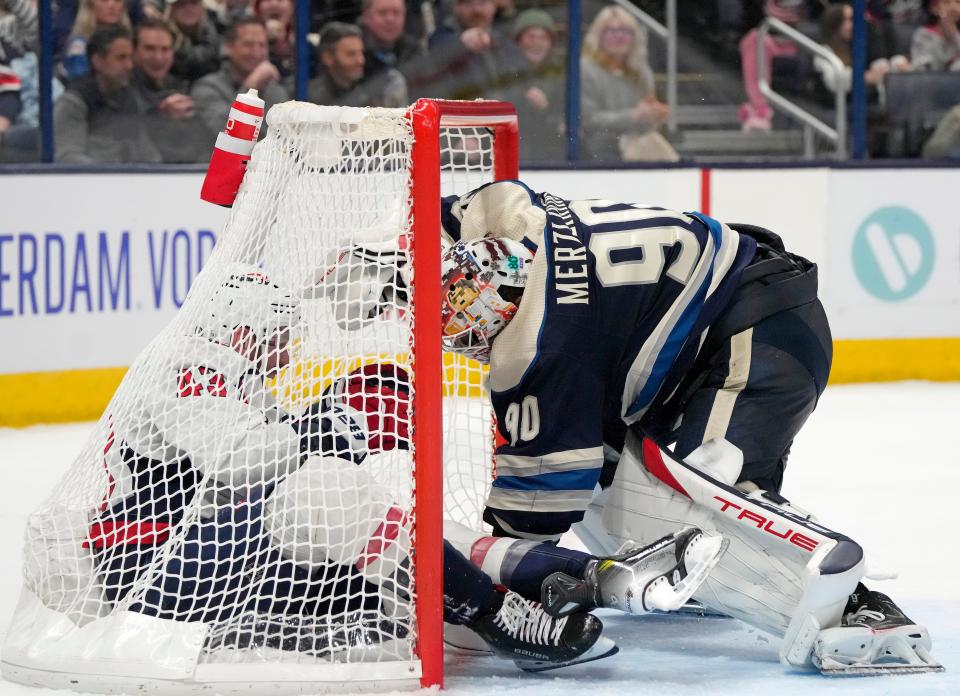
pixel 878 462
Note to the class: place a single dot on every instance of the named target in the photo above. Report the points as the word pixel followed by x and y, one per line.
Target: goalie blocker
pixel 784 573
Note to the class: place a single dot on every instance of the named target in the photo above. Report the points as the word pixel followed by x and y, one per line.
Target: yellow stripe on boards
pixel 78 395
pixel 303 383
pixel 893 359
pixel 57 397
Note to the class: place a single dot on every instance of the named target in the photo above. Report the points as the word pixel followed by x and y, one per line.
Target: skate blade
pixel 831 668
pixel 695 608
pixel 666 597
pixel 461 640
pixel 604 647
pixel 915 661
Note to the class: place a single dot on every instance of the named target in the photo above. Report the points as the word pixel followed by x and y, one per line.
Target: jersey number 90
pixel 653 243
pixel 522 420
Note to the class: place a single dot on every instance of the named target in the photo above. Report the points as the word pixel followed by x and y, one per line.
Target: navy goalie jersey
pixel 618 301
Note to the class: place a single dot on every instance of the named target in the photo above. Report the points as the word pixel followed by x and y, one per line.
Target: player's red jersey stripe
pixel 653 460
pixel 384 535
pixel 108 533
pixel 479 550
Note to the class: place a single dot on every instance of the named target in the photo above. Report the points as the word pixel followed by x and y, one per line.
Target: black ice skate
pixel 661 576
pixel 521 631
pixel 874 637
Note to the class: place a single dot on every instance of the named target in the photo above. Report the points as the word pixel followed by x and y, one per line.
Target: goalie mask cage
pixel 261 505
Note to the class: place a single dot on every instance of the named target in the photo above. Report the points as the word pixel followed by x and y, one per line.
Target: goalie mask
pixel 248 298
pixel 482 281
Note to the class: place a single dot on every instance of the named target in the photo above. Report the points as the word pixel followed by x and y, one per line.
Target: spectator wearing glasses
pixel 91 15
pixel 197 45
pixel 247 66
pixel 620 112
pixel 936 46
pixel 99 118
pixel 170 112
pixel 341 78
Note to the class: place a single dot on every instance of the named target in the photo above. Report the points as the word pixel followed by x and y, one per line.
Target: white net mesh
pixel 252 474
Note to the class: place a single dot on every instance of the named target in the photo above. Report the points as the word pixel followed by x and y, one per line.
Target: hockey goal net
pixel 262 501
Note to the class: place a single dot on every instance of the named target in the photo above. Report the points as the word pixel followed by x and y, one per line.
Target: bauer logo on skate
pixel 99 272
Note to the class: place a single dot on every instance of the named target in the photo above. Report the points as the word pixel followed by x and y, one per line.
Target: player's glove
pixel 362 283
pixel 365 412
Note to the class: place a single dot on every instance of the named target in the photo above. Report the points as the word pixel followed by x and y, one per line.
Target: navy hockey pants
pixel 760 387
pixel 227 566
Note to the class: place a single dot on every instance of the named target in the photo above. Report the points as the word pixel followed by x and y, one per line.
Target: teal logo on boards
pixel 893 253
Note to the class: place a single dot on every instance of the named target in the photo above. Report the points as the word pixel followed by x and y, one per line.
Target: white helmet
pixel 482 283
pixel 248 298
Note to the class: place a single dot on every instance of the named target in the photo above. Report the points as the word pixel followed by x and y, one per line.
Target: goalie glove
pixel 362 283
pixel 365 412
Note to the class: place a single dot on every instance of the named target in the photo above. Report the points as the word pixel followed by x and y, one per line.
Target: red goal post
pixel 429 116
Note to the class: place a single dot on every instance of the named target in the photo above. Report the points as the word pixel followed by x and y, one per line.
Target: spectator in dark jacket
pixel 170 112
pixel 197 46
pixel 341 79
pixel 247 66
pixel 468 57
pixel 98 118
pixel 386 44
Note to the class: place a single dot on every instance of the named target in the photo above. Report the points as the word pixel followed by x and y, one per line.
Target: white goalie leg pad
pixel 783 572
pixel 592 531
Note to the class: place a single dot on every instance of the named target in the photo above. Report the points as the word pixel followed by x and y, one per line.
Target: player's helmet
pixel 482 283
pixel 248 298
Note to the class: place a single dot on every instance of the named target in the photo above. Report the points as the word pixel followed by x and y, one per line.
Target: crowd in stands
pixel 904 37
pixel 153 80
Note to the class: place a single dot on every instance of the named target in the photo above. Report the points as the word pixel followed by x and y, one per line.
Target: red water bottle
pixel 232 151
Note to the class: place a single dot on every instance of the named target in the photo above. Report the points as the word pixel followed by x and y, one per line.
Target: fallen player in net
pixel 227 510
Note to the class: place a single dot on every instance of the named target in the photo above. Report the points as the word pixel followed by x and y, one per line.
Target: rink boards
pixel 84 287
